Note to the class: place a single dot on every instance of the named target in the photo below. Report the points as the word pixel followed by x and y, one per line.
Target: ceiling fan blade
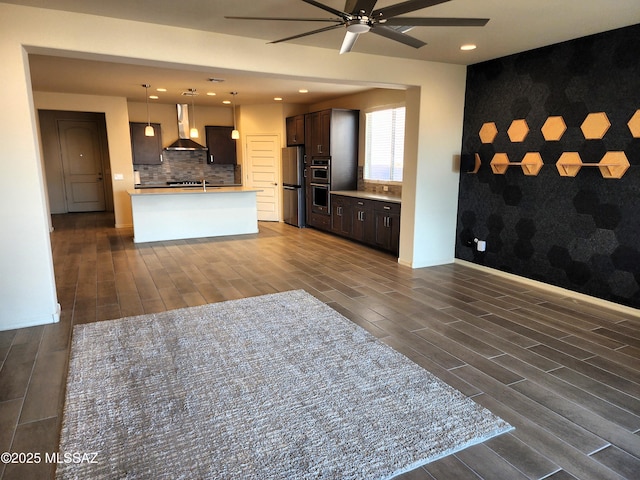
pixel 357 6
pixel 334 20
pixel 437 22
pixel 348 42
pixel 320 30
pixel 392 34
pixel 326 8
pixel 405 7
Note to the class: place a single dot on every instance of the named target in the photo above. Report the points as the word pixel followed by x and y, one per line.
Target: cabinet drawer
pixel 389 207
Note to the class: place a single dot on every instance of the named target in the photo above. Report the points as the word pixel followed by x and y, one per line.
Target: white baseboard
pixel 552 288
pixel 33 322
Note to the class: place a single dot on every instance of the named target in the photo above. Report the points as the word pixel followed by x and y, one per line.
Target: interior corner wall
pixel 27 284
pixel 580 233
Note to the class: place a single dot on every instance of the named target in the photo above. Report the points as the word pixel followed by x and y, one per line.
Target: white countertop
pixel 367 195
pixel 189 191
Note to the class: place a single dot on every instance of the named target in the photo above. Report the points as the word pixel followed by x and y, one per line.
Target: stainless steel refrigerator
pixel 293 185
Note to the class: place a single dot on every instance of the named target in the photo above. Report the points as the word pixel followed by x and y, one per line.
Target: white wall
pixel 28 290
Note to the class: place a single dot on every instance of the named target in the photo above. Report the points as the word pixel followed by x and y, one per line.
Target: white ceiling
pixel 514 26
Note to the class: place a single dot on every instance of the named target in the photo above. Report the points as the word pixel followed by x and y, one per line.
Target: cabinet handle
pixel 319 148
pixel 387 207
pixel 360 203
pixel 210 158
pixel 161 159
pixel 339 211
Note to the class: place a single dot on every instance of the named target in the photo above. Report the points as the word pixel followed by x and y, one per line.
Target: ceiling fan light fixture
pixel 358 26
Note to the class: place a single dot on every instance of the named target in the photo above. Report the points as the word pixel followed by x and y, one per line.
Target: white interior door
pixel 263 172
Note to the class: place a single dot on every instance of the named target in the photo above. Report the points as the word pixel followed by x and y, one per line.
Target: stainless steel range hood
pixel 184 142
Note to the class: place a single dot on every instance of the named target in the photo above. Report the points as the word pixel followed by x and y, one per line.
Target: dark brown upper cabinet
pixel 295 130
pixel 145 150
pixel 222 148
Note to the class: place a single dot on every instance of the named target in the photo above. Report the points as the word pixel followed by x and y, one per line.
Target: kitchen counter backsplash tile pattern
pixel 188 165
pixel 393 189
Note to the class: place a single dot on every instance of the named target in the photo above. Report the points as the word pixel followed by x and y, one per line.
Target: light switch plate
pixel 118 176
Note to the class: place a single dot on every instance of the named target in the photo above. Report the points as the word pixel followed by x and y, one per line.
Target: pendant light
pixel 148 130
pixel 235 134
pixel 193 133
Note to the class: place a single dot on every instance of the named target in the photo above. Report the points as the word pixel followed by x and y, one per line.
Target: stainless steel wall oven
pixel 320 198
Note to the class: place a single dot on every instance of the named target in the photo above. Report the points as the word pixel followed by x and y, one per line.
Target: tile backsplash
pixel 393 189
pixel 188 165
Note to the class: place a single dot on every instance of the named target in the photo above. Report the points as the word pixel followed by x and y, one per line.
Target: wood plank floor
pixel 565 373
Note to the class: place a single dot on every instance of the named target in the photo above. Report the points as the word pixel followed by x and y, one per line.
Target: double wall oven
pixel 320 184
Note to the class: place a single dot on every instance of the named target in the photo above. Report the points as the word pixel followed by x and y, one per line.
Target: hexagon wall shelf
pixel 553 128
pixel 595 126
pixel 569 164
pixel 518 130
pixel 612 165
pixel 488 132
pixel 530 164
pixel 634 124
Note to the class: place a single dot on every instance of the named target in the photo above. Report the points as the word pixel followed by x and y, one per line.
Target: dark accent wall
pixel 581 233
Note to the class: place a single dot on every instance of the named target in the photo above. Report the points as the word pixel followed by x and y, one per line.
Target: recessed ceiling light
pixel 469 46
pixel 303 90
pixel 211 94
pixel 161 89
pixel 277 99
pixel 226 102
pixel 153 97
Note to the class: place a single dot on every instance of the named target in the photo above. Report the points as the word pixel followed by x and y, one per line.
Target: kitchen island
pixel 179 213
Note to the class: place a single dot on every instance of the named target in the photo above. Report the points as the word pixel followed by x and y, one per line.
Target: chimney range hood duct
pixel 184 142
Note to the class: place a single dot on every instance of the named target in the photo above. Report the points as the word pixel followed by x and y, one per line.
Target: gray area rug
pixel 279 386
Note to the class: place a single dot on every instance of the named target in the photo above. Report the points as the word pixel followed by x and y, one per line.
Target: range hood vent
pixel 184 142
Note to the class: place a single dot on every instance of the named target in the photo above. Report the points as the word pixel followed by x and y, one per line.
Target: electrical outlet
pixel 385 188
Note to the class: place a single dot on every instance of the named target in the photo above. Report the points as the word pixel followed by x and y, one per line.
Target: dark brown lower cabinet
pixel 386 219
pixel 341 216
pixel 374 222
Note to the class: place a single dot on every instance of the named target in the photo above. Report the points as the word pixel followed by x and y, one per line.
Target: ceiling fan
pixel 360 17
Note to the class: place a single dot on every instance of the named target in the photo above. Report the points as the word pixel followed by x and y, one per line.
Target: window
pixel 384 149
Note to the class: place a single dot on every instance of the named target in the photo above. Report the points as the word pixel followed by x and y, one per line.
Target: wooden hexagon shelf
pixel 553 128
pixel 613 165
pixel 500 163
pixel 595 126
pixel 518 130
pixel 569 164
pixel 488 132
pixel 530 164
pixel 634 124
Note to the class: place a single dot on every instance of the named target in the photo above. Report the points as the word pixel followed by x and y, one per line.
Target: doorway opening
pixel 76 161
